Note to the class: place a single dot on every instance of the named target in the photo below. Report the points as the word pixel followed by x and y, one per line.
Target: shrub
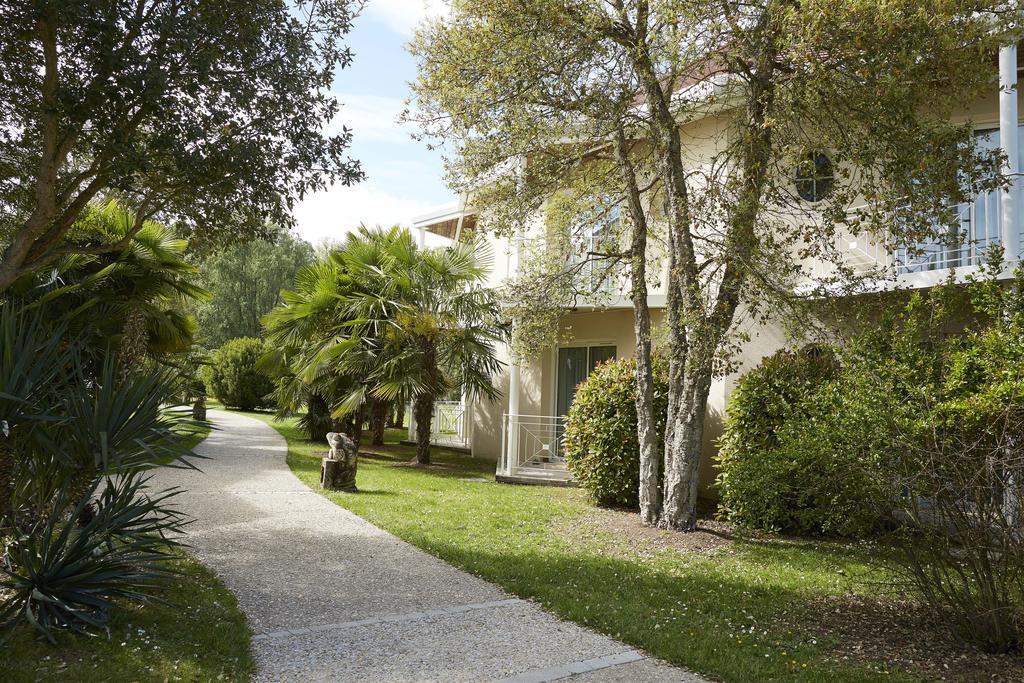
pixel 955 411
pixel 600 444
pixel 81 528
pixel 793 452
pixel 233 378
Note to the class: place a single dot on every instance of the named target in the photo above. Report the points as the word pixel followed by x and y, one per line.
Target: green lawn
pixel 748 610
pixel 196 634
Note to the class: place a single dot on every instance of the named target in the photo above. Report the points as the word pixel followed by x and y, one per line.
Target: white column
pixel 512 442
pixel 412 423
pixel 1009 197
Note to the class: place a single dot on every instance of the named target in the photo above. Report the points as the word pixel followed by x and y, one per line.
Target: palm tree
pixel 133 297
pixel 384 320
pixel 424 322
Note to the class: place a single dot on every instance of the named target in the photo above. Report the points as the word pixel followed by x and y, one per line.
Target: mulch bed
pixel 905 635
pixel 621 532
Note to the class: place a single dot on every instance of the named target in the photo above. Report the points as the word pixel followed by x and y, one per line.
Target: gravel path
pixel 331 597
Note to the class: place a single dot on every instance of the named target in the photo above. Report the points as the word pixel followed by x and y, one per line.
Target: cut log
pixel 338 475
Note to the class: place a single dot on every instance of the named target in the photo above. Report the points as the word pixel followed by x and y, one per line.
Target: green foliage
pixel 245 281
pixel 82 529
pixel 600 443
pixel 381 318
pixel 196 634
pixel 213 116
pixel 796 451
pixel 233 377
pixel 919 431
pixel 98 294
pixel 62 574
pixel 953 409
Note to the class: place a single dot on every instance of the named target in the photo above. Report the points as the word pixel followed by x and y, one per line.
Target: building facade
pixel 522 430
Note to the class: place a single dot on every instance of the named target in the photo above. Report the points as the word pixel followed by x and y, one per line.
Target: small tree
pixel 424 324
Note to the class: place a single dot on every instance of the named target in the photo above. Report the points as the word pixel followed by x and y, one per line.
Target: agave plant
pixel 82 529
pixel 61 574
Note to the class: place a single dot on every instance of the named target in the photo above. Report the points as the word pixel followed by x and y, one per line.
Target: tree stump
pixel 338 470
pixel 199 408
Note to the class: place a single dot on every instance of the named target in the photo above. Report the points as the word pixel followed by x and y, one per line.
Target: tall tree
pixel 245 282
pixel 747 136
pixel 211 114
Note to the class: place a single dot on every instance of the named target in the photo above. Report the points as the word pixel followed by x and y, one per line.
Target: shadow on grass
pixel 726 624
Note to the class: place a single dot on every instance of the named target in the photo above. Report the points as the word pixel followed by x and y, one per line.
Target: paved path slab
pixel 331 597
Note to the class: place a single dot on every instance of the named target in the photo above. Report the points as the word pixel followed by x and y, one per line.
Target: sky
pixel 404 178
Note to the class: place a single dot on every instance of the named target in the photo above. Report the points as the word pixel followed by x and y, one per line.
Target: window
pixel 574 366
pixel 976 225
pixel 814 177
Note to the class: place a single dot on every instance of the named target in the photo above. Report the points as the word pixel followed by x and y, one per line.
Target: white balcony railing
pixel 450 426
pixel 532 445
pixel 867 254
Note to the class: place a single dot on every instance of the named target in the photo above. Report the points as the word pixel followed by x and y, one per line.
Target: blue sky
pixel 404 177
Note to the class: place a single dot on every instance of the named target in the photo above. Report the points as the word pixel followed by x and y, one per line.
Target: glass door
pixel 574 366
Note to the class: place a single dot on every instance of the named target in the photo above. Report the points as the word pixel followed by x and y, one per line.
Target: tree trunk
pixel 379 411
pixel 354 425
pixel 134 340
pixel 6 482
pixel 397 416
pixel 318 418
pixel 705 331
pixel 682 474
pixel 423 414
pixel 647 434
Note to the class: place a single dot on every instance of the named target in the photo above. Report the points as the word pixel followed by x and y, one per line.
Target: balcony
pixel 976 228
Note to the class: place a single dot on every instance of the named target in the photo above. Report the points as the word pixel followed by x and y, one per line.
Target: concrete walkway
pixel 333 598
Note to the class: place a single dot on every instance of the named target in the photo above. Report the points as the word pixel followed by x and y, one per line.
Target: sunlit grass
pixel 728 613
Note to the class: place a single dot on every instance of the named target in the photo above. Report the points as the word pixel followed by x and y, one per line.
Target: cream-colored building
pixel 521 430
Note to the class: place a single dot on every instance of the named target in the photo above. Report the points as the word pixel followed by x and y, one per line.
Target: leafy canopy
pixel 211 114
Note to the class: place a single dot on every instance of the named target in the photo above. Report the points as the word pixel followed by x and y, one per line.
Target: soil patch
pixel 904 634
pixel 620 532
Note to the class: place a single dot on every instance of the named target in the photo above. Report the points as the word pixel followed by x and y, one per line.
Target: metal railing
pixel 532 442
pixel 449 425
pixel 867 254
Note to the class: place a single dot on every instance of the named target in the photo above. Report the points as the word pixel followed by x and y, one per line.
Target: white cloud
pixel 372 118
pixel 402 16
pixel 331 214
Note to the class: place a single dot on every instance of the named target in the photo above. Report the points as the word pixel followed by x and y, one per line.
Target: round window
pixel 814 177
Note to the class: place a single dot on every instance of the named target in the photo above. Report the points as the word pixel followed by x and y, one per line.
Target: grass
pixel 746 611
pixel 195 633
pixel 198 635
